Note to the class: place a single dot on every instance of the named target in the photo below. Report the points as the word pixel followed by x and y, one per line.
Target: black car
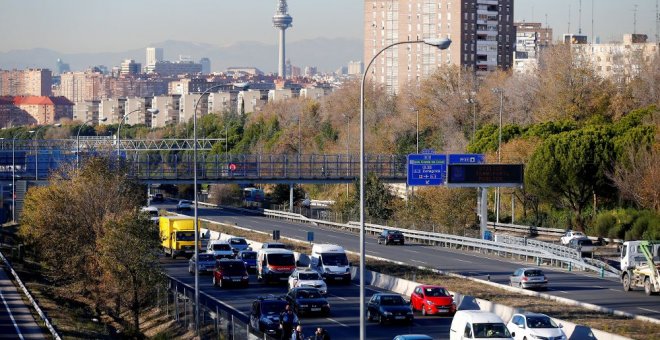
pixel 389 308
pixel 158 198
pixel 308 300
pixel 265 314
pixel 390 237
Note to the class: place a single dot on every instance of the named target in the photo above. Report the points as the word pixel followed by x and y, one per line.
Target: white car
pixel 184 205
pixel 307 278
pixel 220 249
pixel 569 235
pixel 534 326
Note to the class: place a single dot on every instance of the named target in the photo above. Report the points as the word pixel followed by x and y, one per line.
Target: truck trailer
pixel 640 266
pixel 178 235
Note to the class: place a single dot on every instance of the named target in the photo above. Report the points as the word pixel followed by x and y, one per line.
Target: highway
pixel 344 303
pixel 605 292
pixel 16 321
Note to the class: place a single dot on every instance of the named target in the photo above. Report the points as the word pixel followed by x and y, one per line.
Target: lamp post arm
pixel 119 130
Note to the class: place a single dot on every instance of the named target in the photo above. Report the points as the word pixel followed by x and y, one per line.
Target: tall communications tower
pixel 282 20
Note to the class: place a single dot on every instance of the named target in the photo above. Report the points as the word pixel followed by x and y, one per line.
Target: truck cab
pixel 177 235
pixel 640 264
pixel 331 262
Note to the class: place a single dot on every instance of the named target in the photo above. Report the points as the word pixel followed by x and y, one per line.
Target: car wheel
pixel 378 241
pixel 381 320
pixel 214 283
pixel 369 316
pixel 220 283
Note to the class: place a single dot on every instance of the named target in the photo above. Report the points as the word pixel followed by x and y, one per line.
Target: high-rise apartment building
pixel 154 55
pixel 82 86
pixel 481 31
pixel 29 82
pixel 129 66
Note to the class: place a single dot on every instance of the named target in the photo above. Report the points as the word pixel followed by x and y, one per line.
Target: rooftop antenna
pixel 580 18
pixel 593 35
pixel 569 18
pixel 657 23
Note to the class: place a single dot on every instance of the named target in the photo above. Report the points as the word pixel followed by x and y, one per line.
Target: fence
pixel 216 319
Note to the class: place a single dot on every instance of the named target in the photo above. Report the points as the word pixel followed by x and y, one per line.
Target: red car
pixel 432 300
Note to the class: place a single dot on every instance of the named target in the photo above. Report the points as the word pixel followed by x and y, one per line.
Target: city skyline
pixel 45 24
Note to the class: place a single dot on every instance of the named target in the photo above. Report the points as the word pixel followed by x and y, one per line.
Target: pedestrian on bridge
pixel 287 321
pixel 321 334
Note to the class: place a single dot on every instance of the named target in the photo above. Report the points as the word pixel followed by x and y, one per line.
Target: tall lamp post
pixel 499 91
pixel 439 43
pixel 152 111
pixel 36 149
pixel 78 139
pixel 196 318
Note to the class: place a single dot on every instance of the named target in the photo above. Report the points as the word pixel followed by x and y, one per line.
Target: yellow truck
pixel 178 235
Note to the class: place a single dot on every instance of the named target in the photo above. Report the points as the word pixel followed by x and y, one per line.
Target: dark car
pixel 265 314
pixel 391 237
pixel 158 198
pixel 230 272
pixel 249 257
pixel 389 308
pixel 584 245
pixel 308 300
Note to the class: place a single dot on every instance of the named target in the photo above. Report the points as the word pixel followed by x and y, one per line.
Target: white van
pixel 220 249
pixel 478 324
pixel 331 262
pixel 275 264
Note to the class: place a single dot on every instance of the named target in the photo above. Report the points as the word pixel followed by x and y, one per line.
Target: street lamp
pixel 78 138
pixel 348 150
pixel 207 91
pixel 499 91
pixel 152 111
pixel 36 149
pixel 13 176
pixel 439 43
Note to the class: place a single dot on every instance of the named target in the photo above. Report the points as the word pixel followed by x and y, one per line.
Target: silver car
pixel 184 205
pixel 206 263
pixel 528 278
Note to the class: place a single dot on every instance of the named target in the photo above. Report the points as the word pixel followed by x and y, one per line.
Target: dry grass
pixel 631 328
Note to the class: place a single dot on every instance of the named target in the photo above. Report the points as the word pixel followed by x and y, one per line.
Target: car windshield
pixel 281 260
pixel 490 330
pixel 221 246
pixel 309 276
pixel 393 232
pixel 206 258
pixel 540 322
pixel 335 259
pixel 586 242
pixel 249 256
pixel 391 301
pixel 185 236
pixel 273 307
pixel 436 292
pixel 237 241
pixel 233 267
pixel 275 245
pixel 308 294
pixel 185 202
pixel 534 272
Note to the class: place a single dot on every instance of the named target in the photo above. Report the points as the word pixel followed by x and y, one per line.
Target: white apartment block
pixel 137 112
pixel 187 106
pixel 619 61
pixel 279 95
pixel 86 111
pixel 249 101
pixel 112 109
pixel 219 102
pixel 168 107
pixel 312 93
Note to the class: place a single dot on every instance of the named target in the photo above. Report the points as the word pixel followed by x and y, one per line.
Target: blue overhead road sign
pixel 472 158
pixel 426 169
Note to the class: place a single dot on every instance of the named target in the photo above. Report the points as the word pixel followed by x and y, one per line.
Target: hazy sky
pixel 73 26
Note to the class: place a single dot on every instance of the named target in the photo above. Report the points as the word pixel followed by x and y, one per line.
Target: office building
pixel 169 68
pixel 129 67
pixel 154 55
pixel 206 65
pixel 481 31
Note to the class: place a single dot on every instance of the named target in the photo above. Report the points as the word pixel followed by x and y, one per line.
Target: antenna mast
pixel 657 23
pixel 569 18
pixel 580 18
pixel 635 20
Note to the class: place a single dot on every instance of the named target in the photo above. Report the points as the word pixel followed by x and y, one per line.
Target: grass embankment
pixel 631 328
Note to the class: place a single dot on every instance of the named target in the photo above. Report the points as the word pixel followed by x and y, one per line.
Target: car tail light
pixel 390 237
pixel 524 278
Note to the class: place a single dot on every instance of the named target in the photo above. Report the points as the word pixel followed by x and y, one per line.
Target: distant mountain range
pixel 326 54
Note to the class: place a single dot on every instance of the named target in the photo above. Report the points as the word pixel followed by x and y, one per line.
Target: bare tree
pixel 638 177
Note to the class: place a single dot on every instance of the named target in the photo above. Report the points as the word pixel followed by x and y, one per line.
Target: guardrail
pixel 540 255
pixel 36 307
pixel 556 249
pixel 532 230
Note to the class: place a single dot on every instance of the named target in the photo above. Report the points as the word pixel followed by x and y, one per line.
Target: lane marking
pixel 614 290
pixel 333 320
pixel 11 316
pixel 463 260
pixel 338 297
pixel 410 251
pixel 648 310
pixel 422 262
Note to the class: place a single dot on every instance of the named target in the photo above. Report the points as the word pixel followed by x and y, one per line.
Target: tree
pixel 66 221
pixel 282 194
pixel 569 168
pixel 126 251
pixel 638 180
pixel 377 198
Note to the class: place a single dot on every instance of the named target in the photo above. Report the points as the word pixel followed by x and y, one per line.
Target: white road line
pixel 463 260
pixel 599 287
pixel 563 291
pixel 18 331
pixel 614 290
pixel 338 297
pixel 333 320
pixel 648 310
pixel 422 262
pixel 410 251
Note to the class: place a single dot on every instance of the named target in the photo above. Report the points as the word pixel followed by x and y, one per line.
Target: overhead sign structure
pixel 485 175
pixel 426 169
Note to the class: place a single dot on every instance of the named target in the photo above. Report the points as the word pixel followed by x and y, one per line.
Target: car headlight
pixel 409 312
pixel 245 277
pixel 387 313
pixel 429 302
pixel 534 336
